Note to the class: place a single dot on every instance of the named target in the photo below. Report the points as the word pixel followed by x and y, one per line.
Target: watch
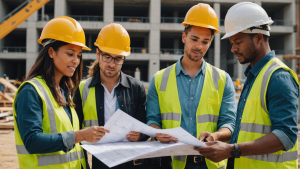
pixel 236 152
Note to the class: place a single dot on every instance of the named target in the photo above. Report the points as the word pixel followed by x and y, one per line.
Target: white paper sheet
pixel 112 150
pixel 120 124
pixel 113 154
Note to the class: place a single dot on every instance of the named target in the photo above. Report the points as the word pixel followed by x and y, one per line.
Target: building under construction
pixel 154 27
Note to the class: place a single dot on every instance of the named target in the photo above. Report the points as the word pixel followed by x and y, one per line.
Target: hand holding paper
pixel 112 150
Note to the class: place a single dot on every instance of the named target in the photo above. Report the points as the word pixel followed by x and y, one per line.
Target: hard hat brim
pixel 74 43
pixel 201 25
pixel 114 51
pixel 227 35
pixel 82 45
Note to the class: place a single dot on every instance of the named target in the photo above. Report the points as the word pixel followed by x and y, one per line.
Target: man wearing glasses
pixel 108 89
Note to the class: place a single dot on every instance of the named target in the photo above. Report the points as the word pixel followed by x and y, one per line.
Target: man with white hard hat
pixel 265 134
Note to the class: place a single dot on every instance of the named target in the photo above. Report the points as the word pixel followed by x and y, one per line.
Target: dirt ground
pixel 8 154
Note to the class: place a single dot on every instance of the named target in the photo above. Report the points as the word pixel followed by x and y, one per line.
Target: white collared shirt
pixel 110 101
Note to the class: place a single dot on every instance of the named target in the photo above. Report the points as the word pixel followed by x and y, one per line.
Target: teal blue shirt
pixel 29 110
pixel 282 102
pixel 189 92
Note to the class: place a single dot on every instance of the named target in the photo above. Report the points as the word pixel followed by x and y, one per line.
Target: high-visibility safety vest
pixel 55 120
pixel 89 107
pixel 207 114
pixel 256 123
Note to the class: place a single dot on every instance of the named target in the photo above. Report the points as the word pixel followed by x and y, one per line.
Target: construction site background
pixel 155 30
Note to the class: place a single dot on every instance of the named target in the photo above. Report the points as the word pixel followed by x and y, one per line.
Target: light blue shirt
pixel 189 92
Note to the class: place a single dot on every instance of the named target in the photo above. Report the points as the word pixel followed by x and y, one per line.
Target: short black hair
pixel 188 28
pixel 266 38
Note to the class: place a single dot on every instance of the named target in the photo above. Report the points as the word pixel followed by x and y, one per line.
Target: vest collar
pixel 179 69
pixel 260 64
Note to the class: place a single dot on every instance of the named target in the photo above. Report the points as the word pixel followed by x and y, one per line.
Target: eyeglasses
pixel 107 58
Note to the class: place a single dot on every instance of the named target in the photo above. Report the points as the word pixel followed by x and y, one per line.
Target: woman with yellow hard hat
pixel 46 124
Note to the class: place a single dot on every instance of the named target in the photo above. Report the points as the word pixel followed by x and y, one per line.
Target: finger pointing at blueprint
pixel 112 150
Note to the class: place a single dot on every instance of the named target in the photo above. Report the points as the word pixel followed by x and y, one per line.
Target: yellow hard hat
pixel 113 38
pixel 64 29
pixel 202 15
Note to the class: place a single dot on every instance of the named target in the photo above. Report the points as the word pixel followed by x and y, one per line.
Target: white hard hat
pixel 247 17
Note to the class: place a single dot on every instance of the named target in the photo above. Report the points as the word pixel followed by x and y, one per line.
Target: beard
pixel 195 59
pixel 109 75
pixel 252 53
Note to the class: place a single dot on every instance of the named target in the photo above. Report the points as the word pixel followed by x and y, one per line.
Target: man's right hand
pixel 165 138
pixel 91 134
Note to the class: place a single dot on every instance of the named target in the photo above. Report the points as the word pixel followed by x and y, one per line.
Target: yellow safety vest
pixel 207 114
pixel 89 107
pixel 55 120
pixel 256 123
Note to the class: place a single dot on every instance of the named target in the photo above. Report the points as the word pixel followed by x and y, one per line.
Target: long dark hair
pixel 94 67
pixel 44 66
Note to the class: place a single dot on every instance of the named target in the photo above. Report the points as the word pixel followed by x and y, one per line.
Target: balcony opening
pixel 282 45
pixel 48 12
pixel 8 6
pixel 14 69
pixel 279 13
pixel 131 11
pixel 15 41
pixel 223 11
pixel 175 11
pixel 130 67
pixel 171 43
pixel 139 42
pixel 90 39
pixel 173 14
pixel 165 64
pixel 85 10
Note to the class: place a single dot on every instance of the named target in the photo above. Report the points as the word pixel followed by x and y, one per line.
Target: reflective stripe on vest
pixel 256 123
pixel 89 123
pixel 216 77
pixel 165 78
pixel 59 159
pixel 207 113
pixel 208 118
pixel 49 104
pixel 170 116
pixel 52 159
pixel 85 90
pixel 164 81
pixel 21 149
pixel 272 67
pixel 256 128
pixel 55 121
pixel 278 158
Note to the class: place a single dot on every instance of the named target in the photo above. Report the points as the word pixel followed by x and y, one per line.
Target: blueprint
pixel 120 124
pixel 113 154
pixel 113 149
